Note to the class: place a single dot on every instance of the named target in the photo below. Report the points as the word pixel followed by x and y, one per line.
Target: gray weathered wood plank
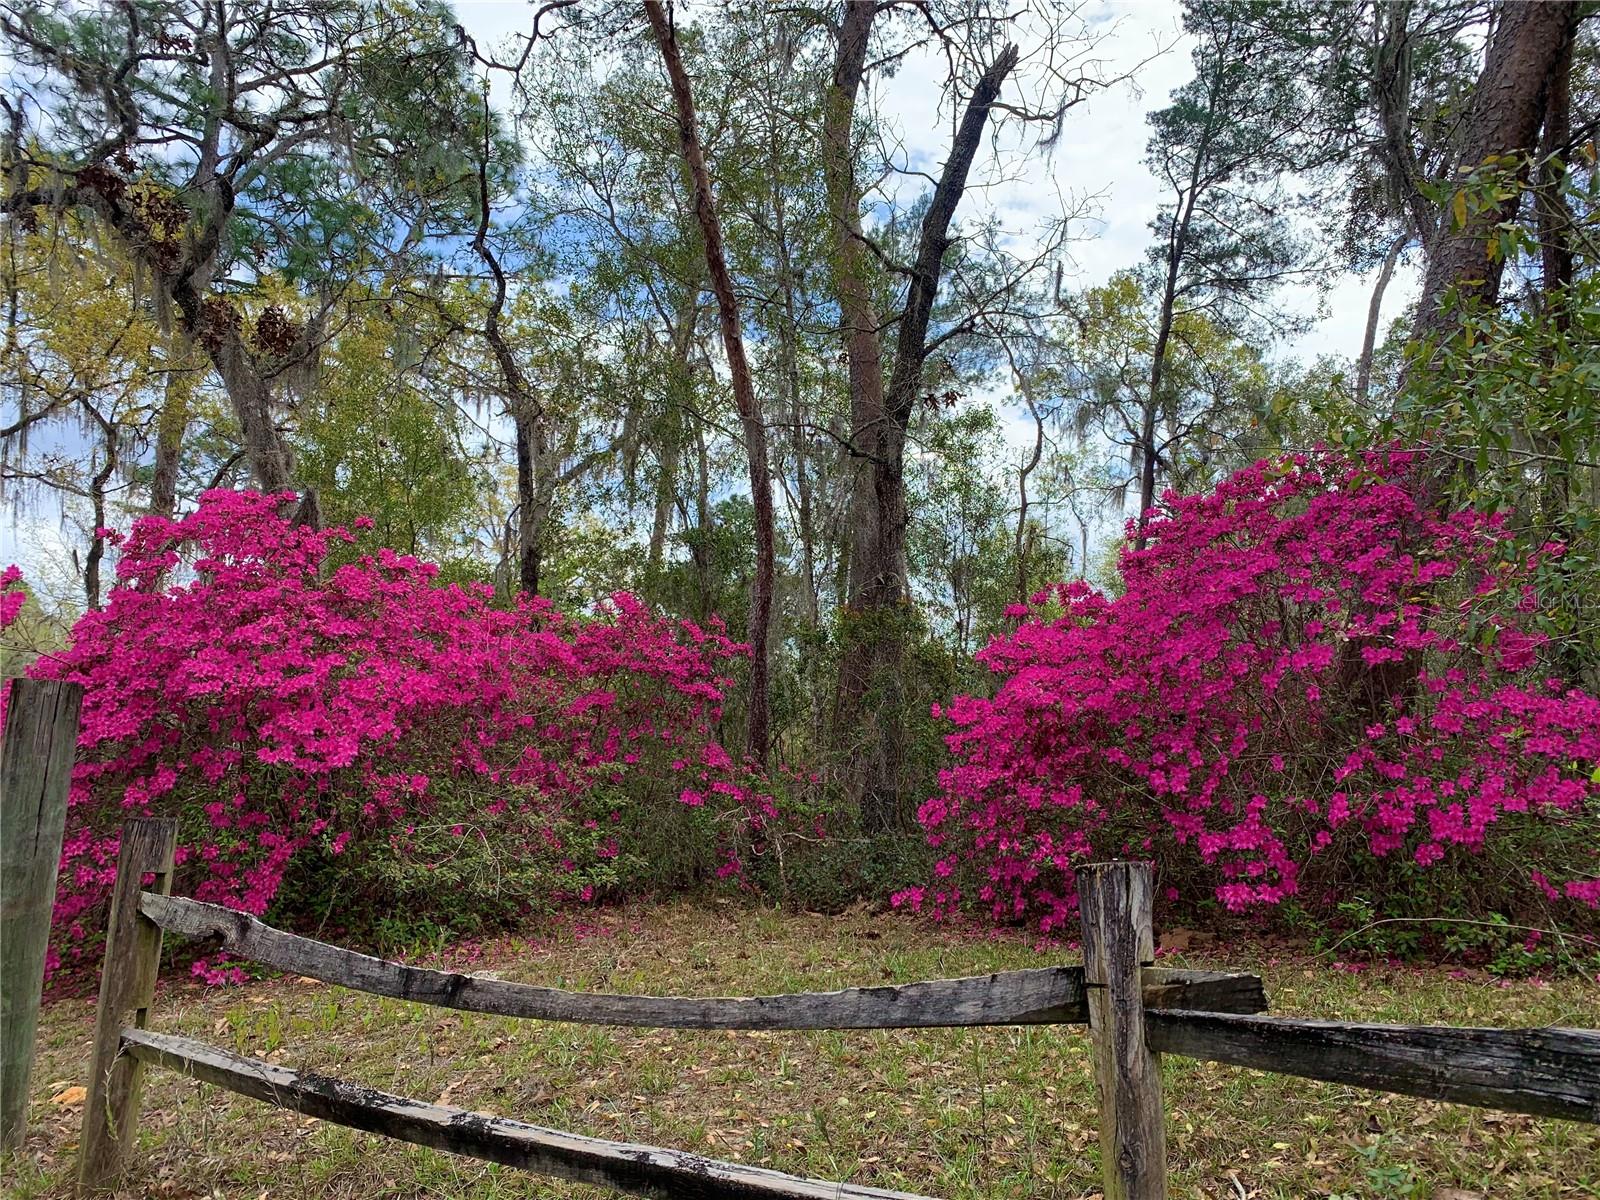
pixel 37 749
pixel 1047 995
pixel 1547 1072
pixel 641 1170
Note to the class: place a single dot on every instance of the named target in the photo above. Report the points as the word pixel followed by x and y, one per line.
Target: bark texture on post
pixel 1114 902
pixel 36 754
pixel 127 985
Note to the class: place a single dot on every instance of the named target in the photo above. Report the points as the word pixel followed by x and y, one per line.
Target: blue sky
pixel 1099 155
pixel 1098 160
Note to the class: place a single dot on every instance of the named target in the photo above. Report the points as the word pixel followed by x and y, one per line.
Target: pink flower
pixel 1164 721
pixel 286 708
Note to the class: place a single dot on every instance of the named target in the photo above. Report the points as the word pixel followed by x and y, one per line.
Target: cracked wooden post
pixel 1114 905
pixel 127 985
pixel 37 749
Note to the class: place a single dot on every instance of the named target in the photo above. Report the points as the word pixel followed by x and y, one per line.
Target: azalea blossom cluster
pixel 1308 661
pixel 287 694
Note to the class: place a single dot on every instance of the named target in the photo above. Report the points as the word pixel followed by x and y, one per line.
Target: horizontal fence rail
pixel 642 1170
pixel 1547 1072
pixel 1135 1011
pixel 1039 996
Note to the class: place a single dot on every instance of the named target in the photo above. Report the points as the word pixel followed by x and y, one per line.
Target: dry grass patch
pixel 956 1113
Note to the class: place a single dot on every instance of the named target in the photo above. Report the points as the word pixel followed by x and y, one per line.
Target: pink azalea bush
pixel 1309 675
pixel 379 737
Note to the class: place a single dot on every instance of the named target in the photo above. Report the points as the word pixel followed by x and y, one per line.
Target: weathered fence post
pixel 127 985
pixel 36 753
pixel 1114 902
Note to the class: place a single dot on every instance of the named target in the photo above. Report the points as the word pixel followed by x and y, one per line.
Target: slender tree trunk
pixel 789 358
pixel 182 372
pixel 1369 338
pixel 1025 390
pixel 1556 260
pixel 1554 215
pixel 870 596
pixel 1508 108
pixel 97 501
pixel 666 490
pixel 1177 249
pixel 532 512
pixel 804 517
pixel 885 579
pixel 744 394
pixel 853 283
pixel 1391 93
pixel 527 413
pixel 867 773
pixel 671 451
pixel 1147 445
pixel 705 527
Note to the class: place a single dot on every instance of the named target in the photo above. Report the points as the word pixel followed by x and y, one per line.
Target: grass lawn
pixel 956 1113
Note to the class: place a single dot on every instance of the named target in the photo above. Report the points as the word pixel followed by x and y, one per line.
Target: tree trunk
pixel 532 513
pixel 1177 249
pixel 1369 338
pixel 206 320
pixel 869 652
pixel 1023 542
pixel 1508 107
pixel 97 501
pixel 1391 95
pixel 666 490
pixel 862 660
pixel 1554 215
pixel 1555 221
pixel 705 527
pixel 744 395
pixel 527 414
pixel 788 333
pixel 171 426
pixel 670 452
pixel 884 579
pixel 210 323
pixel 871 661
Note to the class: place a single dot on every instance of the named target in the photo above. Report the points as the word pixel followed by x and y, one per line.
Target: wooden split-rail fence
pixel 1134 1010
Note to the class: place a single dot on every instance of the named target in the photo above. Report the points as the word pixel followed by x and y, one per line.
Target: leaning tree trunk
pixel 744 394
pixel 1509 105
pixel 1508 108
pixel 1369 337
